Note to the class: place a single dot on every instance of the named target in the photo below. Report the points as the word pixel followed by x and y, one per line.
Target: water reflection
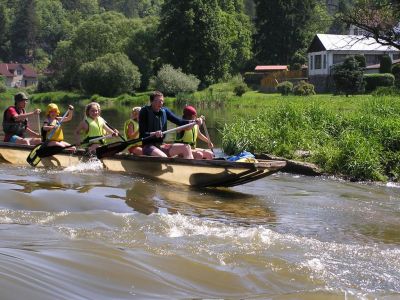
pixel 223 205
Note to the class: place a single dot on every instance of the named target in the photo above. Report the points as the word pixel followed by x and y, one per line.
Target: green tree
pixel 4 33
pixel 109 75
pixel 201 38
pixel 23 31
pixel 99 35
pixel 280 29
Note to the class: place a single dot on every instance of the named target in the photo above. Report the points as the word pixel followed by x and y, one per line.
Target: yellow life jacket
pixel 58 134
pixel 96 129
pixel 135 128
pixel 188 136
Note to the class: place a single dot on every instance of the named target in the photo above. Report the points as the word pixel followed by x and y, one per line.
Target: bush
pixel 46 84
pixel 240 89
pixel 362 63
pixel 285 88
pixel 3 87
pixel 386 91
pixel 110 75
pixel 348 77
pixel 372 81
pixel 303 89
pixel 172 81
pixel 396 73
pixel 385 64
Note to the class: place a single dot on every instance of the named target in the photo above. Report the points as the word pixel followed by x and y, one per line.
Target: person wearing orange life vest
pixel 15 122
pixel 56 137
pixel 190 136
pixel 131 131
pixel 93 126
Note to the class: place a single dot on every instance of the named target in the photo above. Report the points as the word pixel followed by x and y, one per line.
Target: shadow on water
pixel 214 204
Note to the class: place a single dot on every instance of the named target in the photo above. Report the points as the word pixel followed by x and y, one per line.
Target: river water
pixel 83 233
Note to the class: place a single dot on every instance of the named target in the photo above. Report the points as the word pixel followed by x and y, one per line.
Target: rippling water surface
pixel 83 233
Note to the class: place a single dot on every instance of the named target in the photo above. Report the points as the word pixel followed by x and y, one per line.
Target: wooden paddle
pixel 33 158
pixel 207 135
pixel 114 148
pixel 52 150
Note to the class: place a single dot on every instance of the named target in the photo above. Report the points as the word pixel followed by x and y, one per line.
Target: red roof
pixel 8 70
pixel 271 68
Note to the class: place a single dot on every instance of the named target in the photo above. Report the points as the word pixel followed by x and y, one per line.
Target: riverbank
pixel 356 137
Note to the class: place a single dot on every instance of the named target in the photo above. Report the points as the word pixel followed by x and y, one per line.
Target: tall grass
pixel 360 138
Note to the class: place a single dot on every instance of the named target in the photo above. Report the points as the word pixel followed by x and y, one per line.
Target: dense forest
pixel 73 40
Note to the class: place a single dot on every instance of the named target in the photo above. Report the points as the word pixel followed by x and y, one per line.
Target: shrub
pixel 3 87
pixel 172 81
pixel 46 84
pixel 396 73
pixel 110 75
pixel 240 89
pixel 285 88
pixel 385 64
pixel 348 77
pixel 362 63
pixel 303 89
pixel 386 91
pixel 372 81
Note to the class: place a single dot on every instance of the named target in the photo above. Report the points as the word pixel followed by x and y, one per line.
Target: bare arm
pixel 22 117
pixel 77 133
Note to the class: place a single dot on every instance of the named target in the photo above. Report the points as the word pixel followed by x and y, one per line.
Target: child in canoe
pixel 131 130
pixel 51 129
pixel 93 126
pixel 191 135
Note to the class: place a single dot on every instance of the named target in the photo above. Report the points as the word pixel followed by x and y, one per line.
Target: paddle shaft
pixel 53 131
pixel 207 135
pixel 113 148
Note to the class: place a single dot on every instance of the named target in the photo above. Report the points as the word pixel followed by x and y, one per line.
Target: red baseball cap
pixel 189 111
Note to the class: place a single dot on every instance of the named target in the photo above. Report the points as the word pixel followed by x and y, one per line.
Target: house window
pixel 317 62
pixel 311 62
pixel 396 56
pixel 324 62
pixel 339 58
pixel 372 59
pixel 19 72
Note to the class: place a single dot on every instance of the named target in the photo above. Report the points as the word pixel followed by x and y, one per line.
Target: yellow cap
pixel 51 107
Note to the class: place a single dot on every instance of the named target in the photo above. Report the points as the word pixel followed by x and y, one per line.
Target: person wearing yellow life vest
pixel 131 131
pixel 93 126
pixel 191 135
pixel 51 123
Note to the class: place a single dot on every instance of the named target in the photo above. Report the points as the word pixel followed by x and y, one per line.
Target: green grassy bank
pixel 357 137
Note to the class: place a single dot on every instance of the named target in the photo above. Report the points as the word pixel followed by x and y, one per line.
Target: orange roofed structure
pixel 18 75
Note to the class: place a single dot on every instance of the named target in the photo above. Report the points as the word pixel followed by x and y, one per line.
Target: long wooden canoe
pixel 197 173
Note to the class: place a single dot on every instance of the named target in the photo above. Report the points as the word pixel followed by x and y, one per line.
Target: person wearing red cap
pixel 191 135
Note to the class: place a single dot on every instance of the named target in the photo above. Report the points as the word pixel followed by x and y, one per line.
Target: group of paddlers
pixel 146 125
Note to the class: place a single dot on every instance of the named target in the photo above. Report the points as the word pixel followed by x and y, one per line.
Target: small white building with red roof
pixel 18 75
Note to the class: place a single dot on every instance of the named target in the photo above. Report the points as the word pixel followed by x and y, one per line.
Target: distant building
pixel 327 50
pixel 18 75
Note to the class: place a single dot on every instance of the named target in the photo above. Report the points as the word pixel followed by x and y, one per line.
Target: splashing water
pixel 92 164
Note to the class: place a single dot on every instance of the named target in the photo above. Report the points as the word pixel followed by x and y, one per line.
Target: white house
pixel 18 75
pixel 326 50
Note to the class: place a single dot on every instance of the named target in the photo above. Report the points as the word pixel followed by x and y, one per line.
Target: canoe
pixel 196 173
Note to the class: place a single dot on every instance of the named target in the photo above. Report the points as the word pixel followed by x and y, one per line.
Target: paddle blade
pixel 110 149
pixel 49 151
pixel 33 158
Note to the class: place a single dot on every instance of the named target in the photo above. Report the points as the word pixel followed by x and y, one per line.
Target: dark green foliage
pixel 386 91
pixel 285 88
pixel 281 29
pixel 3 87
pixel 348 77
pixel 303 88
pixel 46 84
pixel 204 38
pixel 361 60
pixel 396 73
pixel 109 75
pixel 172 81
pixel 23 31
pixel 240 89
pixel 385 64
pixel 372 81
